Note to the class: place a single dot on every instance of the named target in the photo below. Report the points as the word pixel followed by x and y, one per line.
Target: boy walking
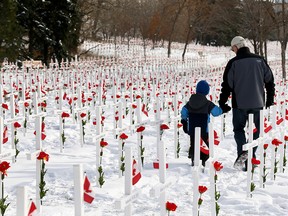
pixel 196 113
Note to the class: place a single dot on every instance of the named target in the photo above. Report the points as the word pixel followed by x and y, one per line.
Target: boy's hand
pixel 185 125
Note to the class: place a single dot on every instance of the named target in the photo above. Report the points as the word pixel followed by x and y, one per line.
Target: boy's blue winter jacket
pixel 196 113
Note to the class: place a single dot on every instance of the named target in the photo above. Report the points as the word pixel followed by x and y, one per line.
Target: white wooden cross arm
pixel 60 111
pixel 41 114
pixel 7 153
pixel 157 189
pixel 175 118
pixel 12 120
pixel 126 199
pixel 248 146
pixel 33 155
pixel 146 122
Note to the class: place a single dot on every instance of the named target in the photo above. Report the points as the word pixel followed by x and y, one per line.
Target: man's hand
pixel 225 108
pixel 269 103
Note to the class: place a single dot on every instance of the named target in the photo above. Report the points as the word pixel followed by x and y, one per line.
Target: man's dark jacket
pixel 245 76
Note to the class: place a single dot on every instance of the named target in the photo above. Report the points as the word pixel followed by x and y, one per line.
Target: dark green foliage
pixel 51 28
pixel 10 31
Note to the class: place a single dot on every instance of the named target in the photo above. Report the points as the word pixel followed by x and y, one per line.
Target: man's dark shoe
pixel 239 163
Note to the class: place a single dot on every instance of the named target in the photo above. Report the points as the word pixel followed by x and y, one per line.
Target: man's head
pixel 202 87
pixel 237 43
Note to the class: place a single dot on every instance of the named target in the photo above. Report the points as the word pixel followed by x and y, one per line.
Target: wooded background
pixel 53 29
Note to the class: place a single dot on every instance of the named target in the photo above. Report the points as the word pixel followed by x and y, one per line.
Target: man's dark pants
pixel 240 117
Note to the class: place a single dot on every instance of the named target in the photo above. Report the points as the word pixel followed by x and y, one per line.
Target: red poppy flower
pixel 4 166
pixel 43 156
pixel 26 104
pixel 43 104
pixel 17 125
pixel 126 96
pixel 138 96
pixel 179 125
pixel 134 106
pixel 171 206
pixel 286 138
pixel 4 106
pixel 265 146
pixel 65 115
pixel 82 115
pixel 118 96
pixel 255 161
pixel 57 98
pixel 276 142
pixel 202 189
pixel 140 129
pixel 116 118
pixel 123 136
pixel 89 99
pixel 70 101
pixel 217 166
pixel 164 127
pixel 103 143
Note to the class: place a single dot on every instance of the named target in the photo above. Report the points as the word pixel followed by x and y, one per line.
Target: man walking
pixel 246 76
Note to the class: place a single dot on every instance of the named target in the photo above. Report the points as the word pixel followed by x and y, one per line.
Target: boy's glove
pixel 225 108
pixel 185 125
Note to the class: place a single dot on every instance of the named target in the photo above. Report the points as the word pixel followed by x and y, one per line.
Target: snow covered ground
pixel 59 200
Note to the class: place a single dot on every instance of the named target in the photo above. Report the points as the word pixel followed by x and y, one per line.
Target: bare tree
pixel 173 11
pixel 196 13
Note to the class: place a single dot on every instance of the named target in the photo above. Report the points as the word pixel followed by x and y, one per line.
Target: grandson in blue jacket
pixel 196 113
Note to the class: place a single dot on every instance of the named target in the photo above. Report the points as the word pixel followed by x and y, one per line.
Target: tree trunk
pixel 283 59
pixel 144 48
pixel 186 44
pixel 173 27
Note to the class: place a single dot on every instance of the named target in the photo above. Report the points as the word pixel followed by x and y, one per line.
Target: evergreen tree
pixel 52 28
pixel 10 31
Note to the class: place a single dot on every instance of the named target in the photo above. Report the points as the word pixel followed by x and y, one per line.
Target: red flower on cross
pixel 4 106
pixel 82 115
pixel 217 166
pixel 202 189
pixel 4 166
pixel 26 104
pixel 164 127
pixel 254 161
pixel 65 115
pixel 43 156
pixel 276 142
pixel 140 129
pixel 123 136
pixel 103 143
pixel 17 125
pixel 171 206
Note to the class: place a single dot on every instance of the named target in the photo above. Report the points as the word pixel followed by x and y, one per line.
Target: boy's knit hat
pixel 202 87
